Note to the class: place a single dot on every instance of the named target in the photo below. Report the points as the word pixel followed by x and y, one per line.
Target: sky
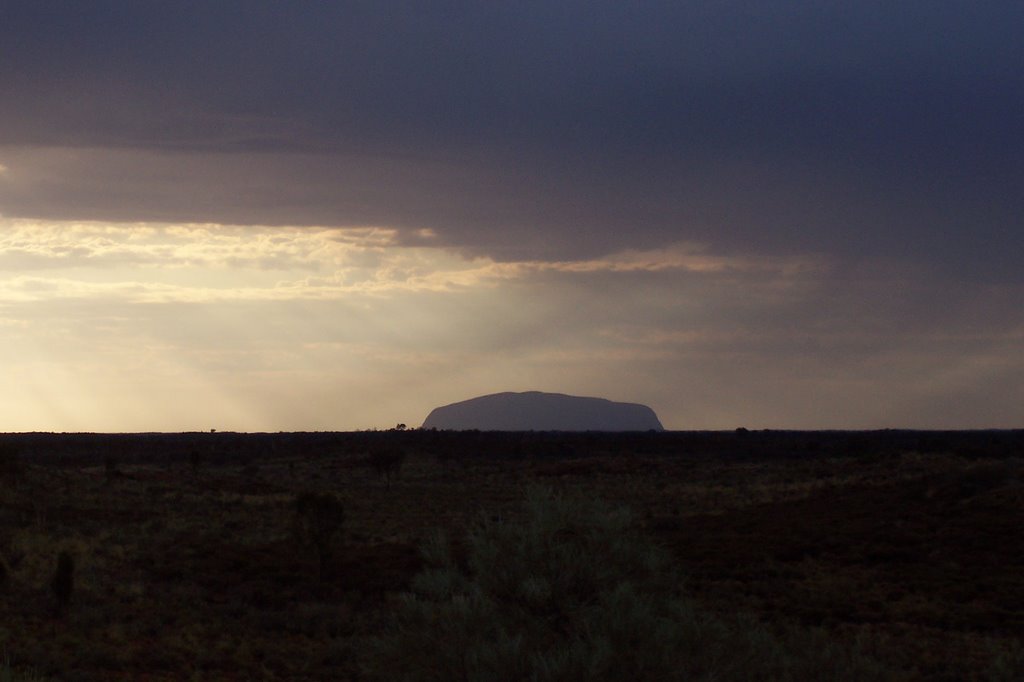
pixel 265 216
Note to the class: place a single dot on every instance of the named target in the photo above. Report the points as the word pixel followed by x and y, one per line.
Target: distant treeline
pixel 226 447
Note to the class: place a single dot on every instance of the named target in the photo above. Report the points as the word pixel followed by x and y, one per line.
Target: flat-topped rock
pixel 536 411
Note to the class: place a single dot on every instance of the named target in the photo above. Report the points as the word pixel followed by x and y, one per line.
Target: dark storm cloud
pixel 856 129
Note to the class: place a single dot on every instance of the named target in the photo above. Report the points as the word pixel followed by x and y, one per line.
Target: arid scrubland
pixel 303 557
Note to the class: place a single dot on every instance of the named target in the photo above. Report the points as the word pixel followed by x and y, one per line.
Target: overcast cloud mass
pixel 270 216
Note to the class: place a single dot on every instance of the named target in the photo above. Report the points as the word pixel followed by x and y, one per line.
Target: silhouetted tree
pixel 195 460
pixel 319 518
pixel 249 468
pixel 387 462
pixel 64 581
pixel 110 467
pixel 11 467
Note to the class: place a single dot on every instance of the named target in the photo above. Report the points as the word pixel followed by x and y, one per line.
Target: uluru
pixel 537 411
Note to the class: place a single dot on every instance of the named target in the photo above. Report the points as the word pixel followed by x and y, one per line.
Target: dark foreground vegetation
pixel 413 554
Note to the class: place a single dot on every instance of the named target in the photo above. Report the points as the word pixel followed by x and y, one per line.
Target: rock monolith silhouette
pixel 536 411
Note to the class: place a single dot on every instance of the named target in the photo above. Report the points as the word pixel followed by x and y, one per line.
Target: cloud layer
pixel 343 214
pixel 531 131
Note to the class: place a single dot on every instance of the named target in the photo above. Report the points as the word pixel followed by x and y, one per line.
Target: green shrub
pixel 575 592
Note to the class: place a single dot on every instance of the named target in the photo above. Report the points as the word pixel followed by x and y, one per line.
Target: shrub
pixel 11 674
pixel 574 592
pixel 1005 662
pixel 319 518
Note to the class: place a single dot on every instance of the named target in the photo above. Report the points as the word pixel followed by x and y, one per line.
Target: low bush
pixel 574 591
pixel 12 674
pixel 1005 662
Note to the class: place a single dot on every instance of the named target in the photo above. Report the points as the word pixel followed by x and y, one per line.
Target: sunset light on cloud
pixel 820 230
pixel 123 317
pixel 146 327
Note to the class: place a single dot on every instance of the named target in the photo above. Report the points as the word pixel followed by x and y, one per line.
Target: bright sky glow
pixel 180 327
